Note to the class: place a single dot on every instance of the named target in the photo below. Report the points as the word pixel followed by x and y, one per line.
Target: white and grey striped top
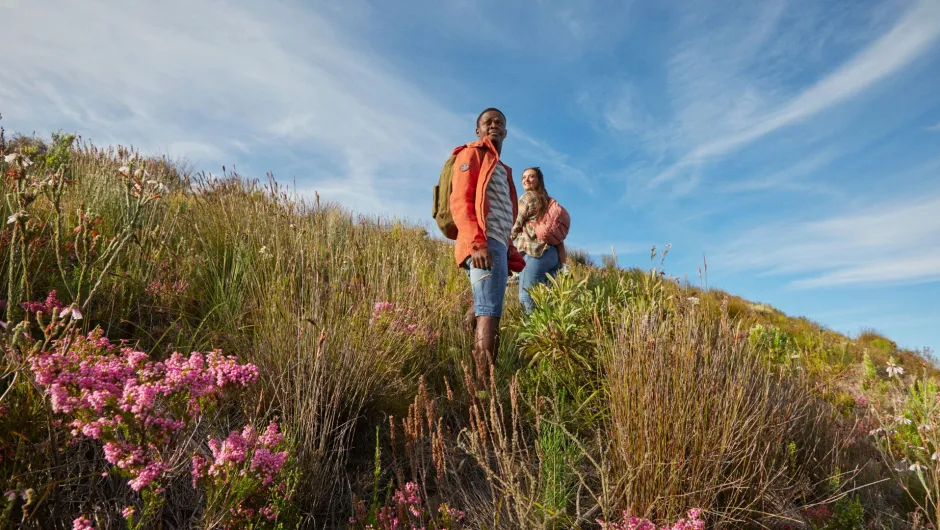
pixel 499 220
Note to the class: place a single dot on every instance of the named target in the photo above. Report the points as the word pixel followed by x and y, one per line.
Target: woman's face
pixel 530 180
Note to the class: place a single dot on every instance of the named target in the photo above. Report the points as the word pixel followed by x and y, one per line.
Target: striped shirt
pixel 499 220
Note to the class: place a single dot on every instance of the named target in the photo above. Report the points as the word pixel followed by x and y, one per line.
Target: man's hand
pixel 482 259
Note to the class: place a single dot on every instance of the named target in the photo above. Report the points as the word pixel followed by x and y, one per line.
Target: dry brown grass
pixel 698 419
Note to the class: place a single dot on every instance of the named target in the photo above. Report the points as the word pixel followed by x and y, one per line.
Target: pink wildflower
pixel 108 390
pixel 128 512
pixel 82 524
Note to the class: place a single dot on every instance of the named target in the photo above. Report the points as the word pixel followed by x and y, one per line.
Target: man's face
pixel 492 124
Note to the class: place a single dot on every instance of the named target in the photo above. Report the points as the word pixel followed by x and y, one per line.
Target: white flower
pixel 916 467
pixel 692 300
pixel 158 186
pixel 893 369
pixel 15 217
pixel 935 457
pixel 26 162
pixel 902 420
pixel 263 251
pixel 124 170
pixel 11 158
pixel 71 310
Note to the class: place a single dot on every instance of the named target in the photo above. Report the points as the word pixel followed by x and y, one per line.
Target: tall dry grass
pixel 697 418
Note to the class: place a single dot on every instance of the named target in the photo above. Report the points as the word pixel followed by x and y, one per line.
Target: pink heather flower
pixel 272 436
pixel 82 524
pixel 148 474
pixel 49 306
pixel 128 512
pixel 381 307
pixel 269 512
pixel 109 391
pixel 452 513
pixel 635 523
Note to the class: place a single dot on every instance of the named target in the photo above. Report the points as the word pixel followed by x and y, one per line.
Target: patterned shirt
pixel 499 218
pixel 523 231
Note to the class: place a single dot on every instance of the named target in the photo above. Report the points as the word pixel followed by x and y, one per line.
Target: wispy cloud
pixel 916 30
pixel 792 178
pixel 883 243
pixel 220 82
pixel 933 128
pixel 545 155
pixel 237 82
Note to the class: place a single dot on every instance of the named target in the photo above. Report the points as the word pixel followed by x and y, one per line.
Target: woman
pixel 541 259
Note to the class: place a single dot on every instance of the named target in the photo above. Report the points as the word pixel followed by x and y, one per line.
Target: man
pixel 483 204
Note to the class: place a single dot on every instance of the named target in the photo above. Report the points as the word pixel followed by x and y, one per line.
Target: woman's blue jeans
pixel 537 270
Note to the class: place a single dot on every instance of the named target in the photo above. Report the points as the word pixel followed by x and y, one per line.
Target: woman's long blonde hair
pixel 541 194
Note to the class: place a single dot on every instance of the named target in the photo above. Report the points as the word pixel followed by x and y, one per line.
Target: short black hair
pixel 488 110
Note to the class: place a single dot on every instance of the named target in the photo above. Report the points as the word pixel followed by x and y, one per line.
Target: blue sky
pixel 794 144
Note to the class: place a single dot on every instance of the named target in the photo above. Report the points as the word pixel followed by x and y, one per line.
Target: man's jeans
pixel 489 286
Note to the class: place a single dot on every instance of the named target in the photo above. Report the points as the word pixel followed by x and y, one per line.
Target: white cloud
pixel 229 77
pixel 545 155
pixel 934 128
pixel 793 178
pixel 234 82
pixel 915 32
pixel 882 243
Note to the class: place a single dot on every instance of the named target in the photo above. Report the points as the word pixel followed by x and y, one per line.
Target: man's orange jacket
pixel 473 169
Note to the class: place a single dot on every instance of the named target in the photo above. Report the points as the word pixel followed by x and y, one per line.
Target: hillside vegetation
pixel 182 351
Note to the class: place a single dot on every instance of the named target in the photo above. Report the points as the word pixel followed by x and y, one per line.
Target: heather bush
pixel 405 511
pixel 694 522
pixel 247 479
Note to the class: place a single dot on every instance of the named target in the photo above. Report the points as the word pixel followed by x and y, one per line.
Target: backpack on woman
pixel 553 227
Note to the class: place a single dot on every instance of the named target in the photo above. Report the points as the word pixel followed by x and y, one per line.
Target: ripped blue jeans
pixel 489 286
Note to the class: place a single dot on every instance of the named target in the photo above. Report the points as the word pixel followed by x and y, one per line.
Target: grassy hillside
pixel 348 400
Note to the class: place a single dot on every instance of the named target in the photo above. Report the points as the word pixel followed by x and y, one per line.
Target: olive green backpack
pixel 441 209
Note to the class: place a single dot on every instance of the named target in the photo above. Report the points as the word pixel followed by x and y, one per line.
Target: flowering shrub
pixel 242 477
pixel 133 405
pixel 406 512
pixel 694 522
pixel 82 523
pixel 910 440
pixel 48 306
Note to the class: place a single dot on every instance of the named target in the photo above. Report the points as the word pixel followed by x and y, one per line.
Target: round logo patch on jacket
pixel 464 167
